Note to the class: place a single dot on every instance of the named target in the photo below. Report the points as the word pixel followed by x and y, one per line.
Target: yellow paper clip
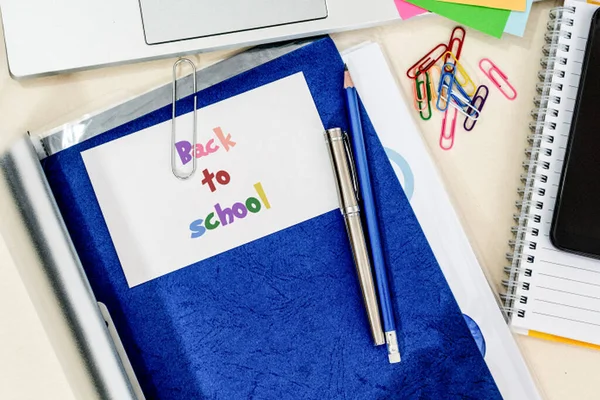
pixel 462 78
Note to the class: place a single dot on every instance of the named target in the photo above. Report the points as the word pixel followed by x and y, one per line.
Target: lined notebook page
pixel 564 293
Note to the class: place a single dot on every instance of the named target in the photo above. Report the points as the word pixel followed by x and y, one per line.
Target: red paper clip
pixel 447 141
pixel 427 61
pixel 455 44
pixel 489 72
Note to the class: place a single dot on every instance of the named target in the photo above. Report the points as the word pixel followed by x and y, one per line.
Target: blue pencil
pixel 370 212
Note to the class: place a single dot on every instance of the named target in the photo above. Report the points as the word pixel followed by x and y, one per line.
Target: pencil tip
pixel 345 67
pixel 347 79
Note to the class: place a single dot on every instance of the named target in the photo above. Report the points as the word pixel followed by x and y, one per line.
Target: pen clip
pixel 352 165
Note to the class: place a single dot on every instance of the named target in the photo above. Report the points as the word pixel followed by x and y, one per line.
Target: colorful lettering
pixel 210 147
pixel 226 216
pixel 183 149
pixel 253 205
pixel 197 229
pixel 225 141
pixel 223 177
pixel 186 151
pixel 210 225
pixel 208 180
pixel 239 210
pixel 262 195
pixel 200 151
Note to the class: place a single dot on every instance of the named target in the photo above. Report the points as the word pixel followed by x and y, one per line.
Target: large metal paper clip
pixel 174 165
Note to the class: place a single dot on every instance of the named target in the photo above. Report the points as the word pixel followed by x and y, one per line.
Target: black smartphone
pixel 576 220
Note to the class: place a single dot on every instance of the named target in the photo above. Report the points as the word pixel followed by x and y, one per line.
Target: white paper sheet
pixel 430 201
pixel 278 143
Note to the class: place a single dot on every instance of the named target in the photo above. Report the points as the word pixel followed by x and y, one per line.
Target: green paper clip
pixel 420 88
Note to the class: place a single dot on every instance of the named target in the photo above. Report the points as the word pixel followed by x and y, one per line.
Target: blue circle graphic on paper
pixel 476 333
pixel 409 178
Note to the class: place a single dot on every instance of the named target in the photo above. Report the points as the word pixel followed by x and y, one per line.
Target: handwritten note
pixel 262 166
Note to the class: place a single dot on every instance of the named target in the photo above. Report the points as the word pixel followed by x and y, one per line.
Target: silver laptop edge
pixel 48 37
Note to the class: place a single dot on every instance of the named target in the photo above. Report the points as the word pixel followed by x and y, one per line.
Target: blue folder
pixel 281 317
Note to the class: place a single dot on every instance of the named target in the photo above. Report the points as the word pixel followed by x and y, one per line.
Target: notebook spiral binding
pixel 522 250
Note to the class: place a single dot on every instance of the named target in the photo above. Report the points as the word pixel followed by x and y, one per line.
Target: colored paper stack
pixel 493 17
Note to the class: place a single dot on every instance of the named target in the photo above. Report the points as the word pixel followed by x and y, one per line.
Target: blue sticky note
pixel 517 21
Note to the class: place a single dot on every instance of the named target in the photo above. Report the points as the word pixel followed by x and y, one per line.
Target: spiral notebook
pixel 550 293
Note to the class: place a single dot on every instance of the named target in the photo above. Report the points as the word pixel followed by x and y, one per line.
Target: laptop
pixel 47 37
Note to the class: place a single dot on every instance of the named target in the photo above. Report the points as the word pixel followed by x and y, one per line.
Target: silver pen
pixel 347 188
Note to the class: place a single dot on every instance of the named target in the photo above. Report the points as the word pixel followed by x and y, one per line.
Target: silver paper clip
pixel 174 168
pixel 472 111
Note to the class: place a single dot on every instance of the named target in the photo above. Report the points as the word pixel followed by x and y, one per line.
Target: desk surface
pixel 481 174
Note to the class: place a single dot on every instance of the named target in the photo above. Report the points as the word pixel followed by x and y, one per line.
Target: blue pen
pixel 369 209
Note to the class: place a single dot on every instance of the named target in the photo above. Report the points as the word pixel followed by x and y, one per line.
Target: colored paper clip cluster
pixel 440 78
pixel 452 93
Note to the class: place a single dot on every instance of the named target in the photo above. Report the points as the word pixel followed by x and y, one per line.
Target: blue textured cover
pixel 281 317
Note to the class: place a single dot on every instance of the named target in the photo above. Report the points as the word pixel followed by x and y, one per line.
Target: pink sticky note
pixel 408 10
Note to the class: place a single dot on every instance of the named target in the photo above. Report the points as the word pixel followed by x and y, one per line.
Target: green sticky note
pixel 488 20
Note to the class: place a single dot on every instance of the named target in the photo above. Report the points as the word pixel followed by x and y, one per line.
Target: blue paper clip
pixel 447 80
pixel 460 100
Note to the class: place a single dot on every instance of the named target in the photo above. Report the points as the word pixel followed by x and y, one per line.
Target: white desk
pixel 481 173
